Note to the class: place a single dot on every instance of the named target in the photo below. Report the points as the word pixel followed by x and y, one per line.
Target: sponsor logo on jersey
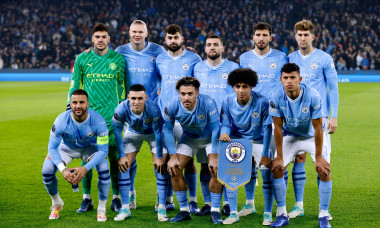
pixel 272 65
pixel 314 66
pixel 305 109
pixel 201 117
pixel 255 114
pixel 316 107
pixel 147 120
pixel 155 119
pixel 112 66
pixel 100 76
pixel 224 75
pixel 212 112
pixel 235 152
pixel 185 66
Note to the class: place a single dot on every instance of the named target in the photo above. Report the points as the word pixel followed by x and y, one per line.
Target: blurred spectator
pixel 341 64
pixel 49 34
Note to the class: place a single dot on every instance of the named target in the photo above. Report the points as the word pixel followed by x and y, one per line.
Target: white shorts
pixel 67 154
pixel 177 131
pixel 292 146
pixel 132 142
pixel 326 136
pixel 190 147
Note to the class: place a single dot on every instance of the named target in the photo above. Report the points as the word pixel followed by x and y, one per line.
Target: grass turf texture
pixel 28 110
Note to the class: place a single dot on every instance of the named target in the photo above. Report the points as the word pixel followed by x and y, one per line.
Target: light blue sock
pixel 286 178
pixel 104 179
pixel 162 185
pixel 182 198
pixel 124 186
pixel 299 180
pixel 49 177
pixel 279 189
pixel 325 190
pixel 250 186
pixel 215 199
pixel 205 180
pixel 132 174
pixel 232 198
pixel 191 180
pixel 225 195
pixel 267 189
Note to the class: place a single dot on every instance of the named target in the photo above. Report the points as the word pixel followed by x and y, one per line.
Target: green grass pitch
pixel 28 110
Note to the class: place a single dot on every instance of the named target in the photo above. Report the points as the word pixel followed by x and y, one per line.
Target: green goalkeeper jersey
pixel 103 78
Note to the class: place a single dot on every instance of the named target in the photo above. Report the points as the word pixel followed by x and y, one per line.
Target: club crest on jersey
pixel 314 66
pixel 305 109
pixel 147 121
pixel 201 117
pixel 235 152
pixel 255 114
pixel 152 59
pixel 90 134
pixel 185 66
pixel 112 66
pixel 224 75
pixel 272 65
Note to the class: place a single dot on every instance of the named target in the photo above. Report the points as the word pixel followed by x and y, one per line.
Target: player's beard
pixel 213 57
pixel 174 48
pixel 262 47
pixel 84 111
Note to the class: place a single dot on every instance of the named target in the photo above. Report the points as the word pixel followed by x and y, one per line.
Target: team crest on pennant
pixel 185 66
pixel 224 75
pixel 272 65
pixel 201 117
pixel 314 66
pixel 255 114
pixel 235 152
pixel 305 109
pixel 112 66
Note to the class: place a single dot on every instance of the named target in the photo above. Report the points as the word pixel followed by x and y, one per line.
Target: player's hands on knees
pixel 225 137
pixel 159 165
pixel 332 126
pixel 173 165
pixel 123 165
pixel 265 161
pixel 69 177
pixel 322 166
pixel 78 174
pixel 278 163
pixel 213 164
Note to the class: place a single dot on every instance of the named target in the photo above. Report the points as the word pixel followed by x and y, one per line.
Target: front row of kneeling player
pixel 294 109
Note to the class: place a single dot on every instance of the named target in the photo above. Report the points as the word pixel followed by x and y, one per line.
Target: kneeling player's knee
pixel 278 173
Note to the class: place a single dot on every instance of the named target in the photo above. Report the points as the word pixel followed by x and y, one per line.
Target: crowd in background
pixel 49 34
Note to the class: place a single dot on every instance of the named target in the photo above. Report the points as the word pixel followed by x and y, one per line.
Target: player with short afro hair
pixel 243 75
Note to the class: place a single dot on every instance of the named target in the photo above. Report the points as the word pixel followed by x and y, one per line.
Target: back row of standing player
pixel 150 65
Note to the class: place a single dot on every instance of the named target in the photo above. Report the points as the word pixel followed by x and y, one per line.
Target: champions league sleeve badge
pixel 235 163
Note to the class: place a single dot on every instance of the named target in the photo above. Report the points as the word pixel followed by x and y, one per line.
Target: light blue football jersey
pixel 213 79
pixel 141 66
pixel 318 71
pixel 148 122
pixel 268 69
pixel 298 113
pixel 77 135
pixel 195 123
pixel 171 69
pixel 246 121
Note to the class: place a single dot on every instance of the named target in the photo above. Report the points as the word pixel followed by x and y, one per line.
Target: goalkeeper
pixel 101 73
